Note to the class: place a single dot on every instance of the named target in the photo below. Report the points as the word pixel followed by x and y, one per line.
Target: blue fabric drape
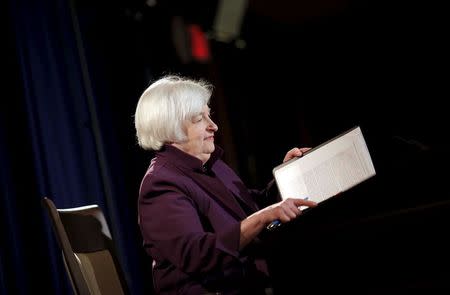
pixel 66 133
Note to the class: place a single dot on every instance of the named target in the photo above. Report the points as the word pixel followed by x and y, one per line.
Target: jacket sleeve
pixel 172 227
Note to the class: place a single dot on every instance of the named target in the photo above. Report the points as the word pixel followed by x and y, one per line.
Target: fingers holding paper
pixel 295 152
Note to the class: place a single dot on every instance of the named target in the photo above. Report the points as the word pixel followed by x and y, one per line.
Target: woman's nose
pixel 213 126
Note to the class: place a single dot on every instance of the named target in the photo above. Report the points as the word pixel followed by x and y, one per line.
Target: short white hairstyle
pixel 164 106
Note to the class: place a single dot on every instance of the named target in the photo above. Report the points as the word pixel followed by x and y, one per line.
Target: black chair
pixel 88 250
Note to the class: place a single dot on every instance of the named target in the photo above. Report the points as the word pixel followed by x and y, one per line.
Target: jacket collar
pixel 214 187
pixel 188 161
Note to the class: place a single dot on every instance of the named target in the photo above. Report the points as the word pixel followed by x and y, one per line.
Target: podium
pixel 389 235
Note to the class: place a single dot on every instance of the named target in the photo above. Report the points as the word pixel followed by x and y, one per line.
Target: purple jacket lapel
pixel 216 189
pixel 234 184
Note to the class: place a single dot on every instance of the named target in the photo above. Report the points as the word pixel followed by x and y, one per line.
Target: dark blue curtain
pixel 55 141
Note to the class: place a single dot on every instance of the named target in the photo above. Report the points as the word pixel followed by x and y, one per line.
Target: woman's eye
pixel 197 119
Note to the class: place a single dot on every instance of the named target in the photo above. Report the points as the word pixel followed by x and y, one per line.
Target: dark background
pixel 308 71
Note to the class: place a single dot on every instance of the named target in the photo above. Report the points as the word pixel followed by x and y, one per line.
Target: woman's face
pixel 200 135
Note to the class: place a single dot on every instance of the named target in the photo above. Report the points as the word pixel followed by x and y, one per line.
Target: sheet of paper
pixel 333 167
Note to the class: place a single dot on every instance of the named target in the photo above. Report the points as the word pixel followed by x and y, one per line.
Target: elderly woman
pixel 199 222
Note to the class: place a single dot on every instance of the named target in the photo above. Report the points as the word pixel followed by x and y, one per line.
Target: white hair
pixel 163 107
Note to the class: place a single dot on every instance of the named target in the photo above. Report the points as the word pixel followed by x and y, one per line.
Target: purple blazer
pixel 189 216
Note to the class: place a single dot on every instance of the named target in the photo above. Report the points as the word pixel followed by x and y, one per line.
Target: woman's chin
pixel 210 147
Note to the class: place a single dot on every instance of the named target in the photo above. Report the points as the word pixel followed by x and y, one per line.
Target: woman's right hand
pixel 285 210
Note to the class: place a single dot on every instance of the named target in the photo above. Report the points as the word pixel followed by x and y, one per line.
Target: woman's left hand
pixel 295 152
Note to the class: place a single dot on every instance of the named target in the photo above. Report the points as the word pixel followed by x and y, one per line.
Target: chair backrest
pixel 87 249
